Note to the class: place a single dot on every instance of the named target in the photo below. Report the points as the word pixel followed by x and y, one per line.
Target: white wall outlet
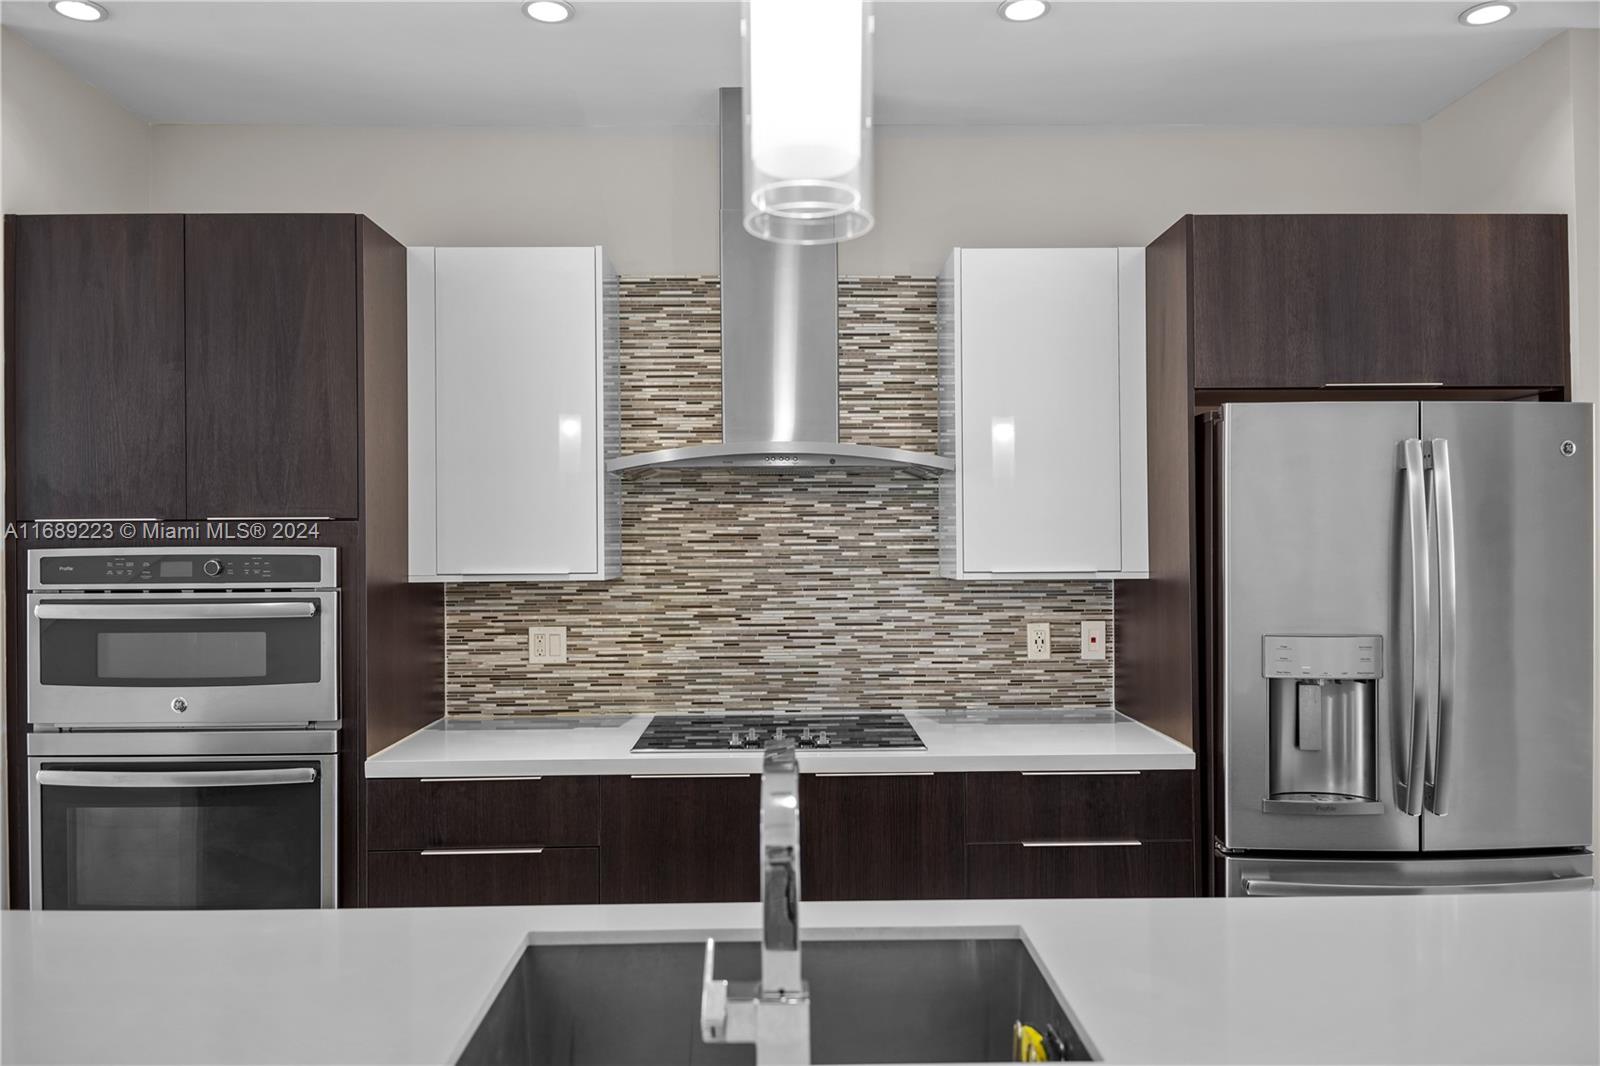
pixel 1038 640
pixel 1091 640
pixel 547 644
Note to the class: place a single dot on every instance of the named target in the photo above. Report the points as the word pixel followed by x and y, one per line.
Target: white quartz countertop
pixel 1469 979
pixel 955 741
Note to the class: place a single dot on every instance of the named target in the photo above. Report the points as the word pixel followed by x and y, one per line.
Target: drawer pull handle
pixel 879 773
pixel 439 780
pixel 1081 843
pixel 1079 773
pixel 434 852
pixel 684 777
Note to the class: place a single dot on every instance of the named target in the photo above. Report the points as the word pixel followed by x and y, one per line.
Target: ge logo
pixel 1569 448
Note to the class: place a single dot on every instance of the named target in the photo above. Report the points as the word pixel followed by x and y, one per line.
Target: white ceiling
pixel 944 62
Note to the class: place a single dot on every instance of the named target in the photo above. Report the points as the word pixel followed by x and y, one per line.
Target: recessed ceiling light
pixel 1024 10
pixel 1487 14
pixel 79 10
pixel 548 10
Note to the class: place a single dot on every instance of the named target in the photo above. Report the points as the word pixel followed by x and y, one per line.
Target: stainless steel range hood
pixel 780 350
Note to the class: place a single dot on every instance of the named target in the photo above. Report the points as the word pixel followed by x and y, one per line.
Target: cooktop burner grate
pixel 740 732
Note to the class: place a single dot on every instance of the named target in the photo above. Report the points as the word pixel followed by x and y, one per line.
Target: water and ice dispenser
pixel 1322 724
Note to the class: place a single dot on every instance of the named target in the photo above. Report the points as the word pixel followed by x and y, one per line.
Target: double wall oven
pixel 183 711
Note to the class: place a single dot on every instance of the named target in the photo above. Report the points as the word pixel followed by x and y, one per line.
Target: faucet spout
pixel 775 1014
pixel 780 869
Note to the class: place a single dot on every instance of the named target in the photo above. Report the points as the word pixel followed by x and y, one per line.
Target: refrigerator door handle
pixel 1410 761
pixel 1265 887
pixel 1444 515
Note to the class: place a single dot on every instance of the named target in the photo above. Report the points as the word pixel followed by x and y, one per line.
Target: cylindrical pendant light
pixel 808 120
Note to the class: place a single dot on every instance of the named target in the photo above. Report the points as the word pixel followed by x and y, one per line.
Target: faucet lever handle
pixel 713 999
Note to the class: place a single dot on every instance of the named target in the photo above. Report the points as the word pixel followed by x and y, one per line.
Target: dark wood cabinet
pixel 272 365
pixel 97 370
pixel 1132 804
pixel 1105 871
pixel 486 812
pixel 1111 834
pixel 1333 301
pixel 494 878
pixel 680 839
pixel 881 836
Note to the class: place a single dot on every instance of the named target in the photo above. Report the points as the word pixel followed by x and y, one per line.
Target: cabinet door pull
pixel 436 852
pixel 684 777
pixel 877 773
pixel 1079 773
pixel 438 780
pixel 1383 385
pixel 1081 843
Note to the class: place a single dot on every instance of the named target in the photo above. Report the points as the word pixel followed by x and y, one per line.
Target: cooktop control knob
pixel 212 567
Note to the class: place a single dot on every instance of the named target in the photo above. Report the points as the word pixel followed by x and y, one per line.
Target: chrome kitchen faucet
pixel 774 1014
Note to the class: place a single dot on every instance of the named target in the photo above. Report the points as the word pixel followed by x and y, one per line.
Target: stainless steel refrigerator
pixel 1402 618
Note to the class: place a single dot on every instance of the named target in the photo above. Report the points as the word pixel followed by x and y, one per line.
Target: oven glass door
pixel 240 659
pixel 186 834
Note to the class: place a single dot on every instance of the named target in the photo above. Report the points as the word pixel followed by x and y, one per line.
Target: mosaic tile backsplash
pixel 774 591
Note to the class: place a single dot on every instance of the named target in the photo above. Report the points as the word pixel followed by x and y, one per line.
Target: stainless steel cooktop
pixel 738 732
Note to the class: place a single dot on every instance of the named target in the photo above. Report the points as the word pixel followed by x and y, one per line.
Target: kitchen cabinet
pixel 1334 301
pixel 96 323
pixel 271 349
pixel 482 812
pixel 438 842
pixel 1043 407
pixel 681 839
pixel 1116 833
pixel 881 836
pixel 487 877
pixel 513 413
pixel 694 838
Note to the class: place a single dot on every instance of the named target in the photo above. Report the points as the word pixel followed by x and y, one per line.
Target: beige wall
pixel 1528 139
pixel 65 146
pixel 651 197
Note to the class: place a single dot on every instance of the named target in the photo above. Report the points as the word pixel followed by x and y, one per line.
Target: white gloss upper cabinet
pixel 1043 406
pixel 513 413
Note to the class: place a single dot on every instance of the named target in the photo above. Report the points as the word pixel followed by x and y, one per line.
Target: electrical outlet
pixel 1038 640
pixel 1092 640
pixel 547 644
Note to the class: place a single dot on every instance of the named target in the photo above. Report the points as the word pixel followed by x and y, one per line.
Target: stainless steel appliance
pixel 149 637
pixel 183 708
pixel 181 819
pixel 737 732
pixel 1403 604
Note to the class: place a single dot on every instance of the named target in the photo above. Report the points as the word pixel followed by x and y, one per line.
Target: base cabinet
pixel 1109 870
pixel 483 877
pixel 680 839
pixel 881 836
pixel 687 838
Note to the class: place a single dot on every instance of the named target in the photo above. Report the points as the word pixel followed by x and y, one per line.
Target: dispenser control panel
pixel 1322 657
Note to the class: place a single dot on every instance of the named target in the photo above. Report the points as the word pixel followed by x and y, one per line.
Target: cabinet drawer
pixel 486 878
pixel 682 839
pixel 406 813
pixel 881 836
pixel 1139 805
pixel 1104 871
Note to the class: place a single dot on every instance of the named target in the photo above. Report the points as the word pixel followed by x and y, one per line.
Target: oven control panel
pixel 199 568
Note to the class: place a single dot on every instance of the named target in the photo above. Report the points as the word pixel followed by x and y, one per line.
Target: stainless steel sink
pixel 872 1001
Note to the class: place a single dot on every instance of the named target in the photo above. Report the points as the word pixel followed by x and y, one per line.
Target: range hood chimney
pixel 780 348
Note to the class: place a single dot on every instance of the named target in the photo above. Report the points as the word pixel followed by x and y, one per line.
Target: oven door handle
pixel 184 612
pixel 288 775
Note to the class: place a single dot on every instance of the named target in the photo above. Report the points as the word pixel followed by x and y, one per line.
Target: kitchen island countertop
pixel 1085 739
pixel 1501 978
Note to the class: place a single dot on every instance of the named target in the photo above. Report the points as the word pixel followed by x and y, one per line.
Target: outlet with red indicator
pixel 1092 640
